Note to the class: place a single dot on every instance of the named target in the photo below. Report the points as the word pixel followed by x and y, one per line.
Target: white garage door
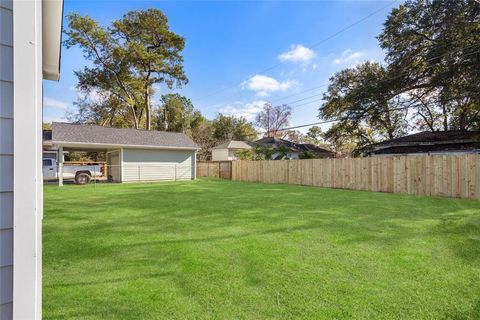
pixel 154 165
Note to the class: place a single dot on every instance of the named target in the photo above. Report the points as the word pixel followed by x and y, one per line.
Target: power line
pixel 404 71
pixel 302 92
pixel 346 118
pixel 394 109
pixel 316 44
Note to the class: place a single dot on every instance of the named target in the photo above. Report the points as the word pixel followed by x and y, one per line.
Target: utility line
pixel 404 71
pixel 346 118
pixel 316 44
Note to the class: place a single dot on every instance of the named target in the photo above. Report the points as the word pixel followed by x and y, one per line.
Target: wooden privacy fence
pixel 449 176
pixel 216 169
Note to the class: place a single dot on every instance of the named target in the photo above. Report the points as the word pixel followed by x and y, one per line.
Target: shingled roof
pixel 233 144
pixel 70 133
pixel 428 141
pixel 430 137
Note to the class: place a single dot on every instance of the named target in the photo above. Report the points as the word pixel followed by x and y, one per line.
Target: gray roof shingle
pixel 233 144
pixel 88 133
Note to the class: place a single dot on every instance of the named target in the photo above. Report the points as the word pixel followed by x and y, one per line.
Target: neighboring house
pixel 30 37
pixel 428 142
pixel 47 149
pixel 226 151
pixel 132 155
pixel 295 148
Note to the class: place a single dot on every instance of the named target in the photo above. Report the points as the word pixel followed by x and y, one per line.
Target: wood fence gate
pixel 215 169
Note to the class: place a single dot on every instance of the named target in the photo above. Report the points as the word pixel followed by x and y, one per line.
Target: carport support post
pixel 60 166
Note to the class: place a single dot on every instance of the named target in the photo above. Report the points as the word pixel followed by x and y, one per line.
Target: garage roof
pixel 233 144
pixel 88 134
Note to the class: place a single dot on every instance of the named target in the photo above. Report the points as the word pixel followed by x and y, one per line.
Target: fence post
pixel 138 173
pixel 175 173
pixel 94 177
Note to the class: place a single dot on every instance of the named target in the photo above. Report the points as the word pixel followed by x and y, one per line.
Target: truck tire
pixel 82 178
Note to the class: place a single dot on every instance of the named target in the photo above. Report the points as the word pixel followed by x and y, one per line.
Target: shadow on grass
pixel 216 208
pixel 107 280
pixel 148 227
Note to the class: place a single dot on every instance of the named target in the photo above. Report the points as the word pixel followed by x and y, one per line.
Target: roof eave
pixel 52 20
pixel 113 146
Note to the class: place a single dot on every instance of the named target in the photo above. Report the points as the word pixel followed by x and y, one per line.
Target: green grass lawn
pixel 212 249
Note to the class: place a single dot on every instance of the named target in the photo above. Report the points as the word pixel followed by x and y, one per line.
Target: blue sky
pixel 231 44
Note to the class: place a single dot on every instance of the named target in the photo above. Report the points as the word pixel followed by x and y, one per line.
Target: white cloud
pixel 349 57
pixel 55 104
pixel 264 85
pixel 297 53
pixel 53 118
pixel 247 110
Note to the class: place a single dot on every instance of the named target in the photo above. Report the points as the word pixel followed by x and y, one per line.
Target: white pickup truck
pixel 80 174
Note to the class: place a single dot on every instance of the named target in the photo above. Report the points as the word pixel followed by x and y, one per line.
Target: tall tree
pixel 348 139
pixel 175 113
pixel 101 108
pixel 203 135
pixel 128 58
pixel 273 119
pixel 365 97
pixel 433 47
pixel 314 136
pixel 233 128
pixel 294 136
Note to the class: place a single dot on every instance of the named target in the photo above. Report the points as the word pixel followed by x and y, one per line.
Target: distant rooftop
pixel 233 144
pixel 94 134
pixel 428 141
pixel 434 137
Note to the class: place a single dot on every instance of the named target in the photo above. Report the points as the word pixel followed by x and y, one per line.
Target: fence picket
pixel 451 176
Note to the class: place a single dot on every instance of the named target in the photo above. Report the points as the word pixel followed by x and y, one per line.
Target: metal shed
pixel 132 155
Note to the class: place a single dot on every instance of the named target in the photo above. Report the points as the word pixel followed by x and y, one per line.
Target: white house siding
pixel 27 163
pixel 6 159
pixel 156 165
pixel 113 162
pixel 220 154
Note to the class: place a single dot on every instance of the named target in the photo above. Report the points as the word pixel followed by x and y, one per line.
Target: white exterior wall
pixel 113 162
pixel 219 154
pixel 6 160
pixel 231 154
pixel 27 164
pixel 156 165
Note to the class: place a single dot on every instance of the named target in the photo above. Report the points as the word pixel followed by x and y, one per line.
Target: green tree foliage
pixel 203 135
pixel 431 80
pixel 365 96
pixel 347 139
pixel 283 152
pixel 128 59
pixel 314 136
pixel 433 48
pixel 264 152
pixel 233 128
pixel 245 154
pixel 293 136
pixel 176 113
pixel 307 155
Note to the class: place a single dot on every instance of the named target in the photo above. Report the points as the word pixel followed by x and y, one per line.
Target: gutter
pixel 132 146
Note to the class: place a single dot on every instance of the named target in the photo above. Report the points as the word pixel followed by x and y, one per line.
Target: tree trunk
pixel 165 119
pixel 445 117
pixel 148 110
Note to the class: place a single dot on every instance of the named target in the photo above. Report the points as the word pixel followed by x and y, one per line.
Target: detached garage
pixel 132 155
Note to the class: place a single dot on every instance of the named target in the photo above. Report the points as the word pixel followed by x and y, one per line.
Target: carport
pixel 132 155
